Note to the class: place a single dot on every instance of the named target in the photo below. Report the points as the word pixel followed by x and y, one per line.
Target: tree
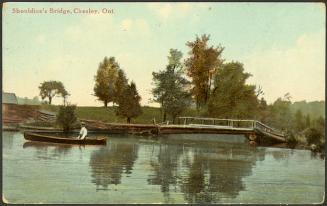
pixel 129 103
pixel 307 121
pixel 66 117
pixel 105 80
pixel 120 85
pixel 280 113
pixel 263 110
pixel 319 124
pixel 231 96
pixel 49 89
pixel 299 121
pixel 313 136
pixel 201 64
pixel 171 87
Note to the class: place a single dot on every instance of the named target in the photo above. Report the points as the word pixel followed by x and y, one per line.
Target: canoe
pixel 45 138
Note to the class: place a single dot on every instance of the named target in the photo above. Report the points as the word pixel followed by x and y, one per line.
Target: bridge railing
pixel 265 128
pixel 232 123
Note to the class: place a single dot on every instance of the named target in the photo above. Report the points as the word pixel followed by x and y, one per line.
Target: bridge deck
pixel 228 126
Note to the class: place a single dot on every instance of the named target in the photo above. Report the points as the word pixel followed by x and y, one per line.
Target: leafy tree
pixel 280 114
pixel 319 124
pixel 314 108
pixel 105 80
pixel 66 117
pixel 171 87
pixel 307 121
pixel 120 85
pixel 49 89
pixel 129 103
pixel 299 121
pixel 231 96
pixel 201 64
pixel 263 110
pixel 313 136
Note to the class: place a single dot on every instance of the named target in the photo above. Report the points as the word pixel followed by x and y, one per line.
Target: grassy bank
pixel 109 115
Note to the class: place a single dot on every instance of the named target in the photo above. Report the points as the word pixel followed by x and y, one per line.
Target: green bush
pixel 291 139
pixel 313 136
pixel 66 117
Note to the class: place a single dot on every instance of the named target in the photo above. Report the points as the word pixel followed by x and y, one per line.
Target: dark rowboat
pixel 45 138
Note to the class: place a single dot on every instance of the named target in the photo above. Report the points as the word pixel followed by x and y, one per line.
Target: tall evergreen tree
pixel 171 87
pixel 201 64
pixel 129 103
pixel 105 80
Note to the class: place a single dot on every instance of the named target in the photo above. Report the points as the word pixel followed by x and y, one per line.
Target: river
pixel 165 169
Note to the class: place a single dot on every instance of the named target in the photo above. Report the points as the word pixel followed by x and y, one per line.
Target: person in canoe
pixel 82 132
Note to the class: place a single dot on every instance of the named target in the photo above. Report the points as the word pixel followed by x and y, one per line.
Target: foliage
pixel 307 121
pixel 263 111
pixel 27 101
pixel 200 66
pixel 291 139
pixel 66 117
pixel 313 136
pixel 299 121
pixel 314 108
pixel 171 87
pixel 49 89
pixel 105 80
pixel 120 85
pixel 231 96
pixel 129 103
pixel 280 114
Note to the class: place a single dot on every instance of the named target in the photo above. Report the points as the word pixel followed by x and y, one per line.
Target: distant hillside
pixel 27 101
pixel 314 109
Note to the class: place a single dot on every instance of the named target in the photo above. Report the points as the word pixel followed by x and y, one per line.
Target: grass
pixel 109 115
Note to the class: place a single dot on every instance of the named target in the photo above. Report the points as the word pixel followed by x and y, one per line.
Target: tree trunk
pixel 50 99
pixel 105 103
pixel 128 120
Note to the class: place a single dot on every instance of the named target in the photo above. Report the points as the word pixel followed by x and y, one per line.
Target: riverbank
pixel 108 115
pixel 141 130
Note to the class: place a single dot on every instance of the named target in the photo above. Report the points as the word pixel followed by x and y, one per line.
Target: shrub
pixel 313 136
pixel 66 117
pixel 290 137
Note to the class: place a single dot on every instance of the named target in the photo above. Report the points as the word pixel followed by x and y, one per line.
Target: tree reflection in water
pixel 165 168
pixel 205 172
pixel 48 150
pixel 109 163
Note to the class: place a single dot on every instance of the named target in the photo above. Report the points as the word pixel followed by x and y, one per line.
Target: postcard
pixel 163 103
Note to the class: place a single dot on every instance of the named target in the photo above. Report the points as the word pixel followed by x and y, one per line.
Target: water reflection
pixel 45 150
pixel 203 172
pixel 165 168
pixel 170 170
pixel 8 139
pixel 109 163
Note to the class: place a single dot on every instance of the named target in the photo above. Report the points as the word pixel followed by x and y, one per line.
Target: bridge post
pixel 252 137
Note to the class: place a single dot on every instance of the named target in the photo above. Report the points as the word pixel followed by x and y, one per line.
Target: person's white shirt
pixel 82 133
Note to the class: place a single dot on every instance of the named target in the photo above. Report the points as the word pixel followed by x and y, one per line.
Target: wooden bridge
pixel 254 130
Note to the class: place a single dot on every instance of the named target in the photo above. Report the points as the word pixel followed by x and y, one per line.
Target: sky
pixel 281 44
